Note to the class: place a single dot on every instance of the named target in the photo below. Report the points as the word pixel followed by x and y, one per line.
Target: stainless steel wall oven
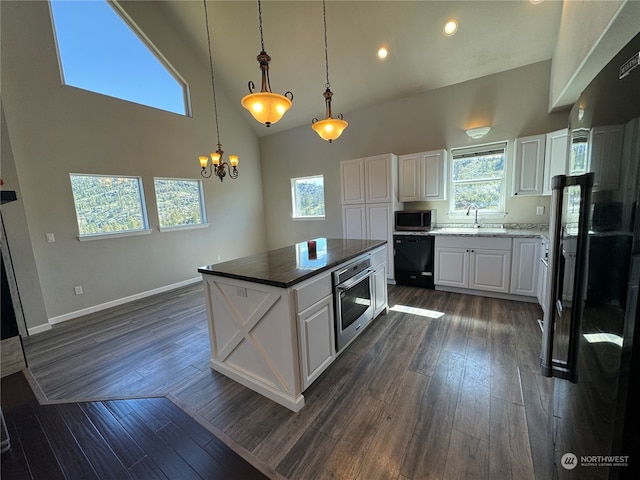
pixel 352 288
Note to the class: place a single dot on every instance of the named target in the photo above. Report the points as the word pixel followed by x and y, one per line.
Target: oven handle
pixel 346 285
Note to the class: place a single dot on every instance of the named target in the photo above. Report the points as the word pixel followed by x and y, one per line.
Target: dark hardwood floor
pixel 448 388
pixel 147 438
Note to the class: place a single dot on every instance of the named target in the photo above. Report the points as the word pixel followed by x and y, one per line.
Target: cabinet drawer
pixel 312 291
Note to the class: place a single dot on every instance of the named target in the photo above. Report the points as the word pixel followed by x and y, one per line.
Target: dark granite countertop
pixel 290 265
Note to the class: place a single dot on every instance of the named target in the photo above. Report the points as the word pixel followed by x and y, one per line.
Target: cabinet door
pixel 352 181
pixel 354 221
pixel 451 267
pixel 524 266
pixel 489 270
pixel 434 175
pixel 380 227
pixel 409 177
pixel 529 165
pixel 317 343
pixel 379 289
pixel 379 178
pixel 555 157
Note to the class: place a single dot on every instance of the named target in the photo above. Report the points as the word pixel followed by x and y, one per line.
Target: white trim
pixel 102 236
pixel 114 303
pixel 183 227
pixel 39 329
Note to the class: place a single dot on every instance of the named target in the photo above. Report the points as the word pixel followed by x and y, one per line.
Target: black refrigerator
pixel 590 346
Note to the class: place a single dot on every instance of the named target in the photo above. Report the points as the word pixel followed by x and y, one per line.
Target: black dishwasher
pixel 413 260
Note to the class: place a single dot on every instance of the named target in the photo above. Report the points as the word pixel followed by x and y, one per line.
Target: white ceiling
pixel 493 36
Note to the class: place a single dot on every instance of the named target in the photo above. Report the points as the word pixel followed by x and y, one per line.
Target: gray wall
pixel 55 130
pixel 514 103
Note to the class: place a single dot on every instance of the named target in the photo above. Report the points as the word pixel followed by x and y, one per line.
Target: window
pixel 307 194
pixel 108 205
pixel 102 52
pixel 477 178
pixel 180 202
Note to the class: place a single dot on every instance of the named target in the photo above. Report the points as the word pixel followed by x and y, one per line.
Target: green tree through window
pixel 180 202
pixel 308 197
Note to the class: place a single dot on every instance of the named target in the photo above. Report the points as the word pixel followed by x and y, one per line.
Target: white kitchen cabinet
pixel 354 221
pixel 370 200
pixel 379 263
pixel 352 181
pixel 529 165
pixel 473 263
pixel 604 156
pixel 543 276
pixel 316 327
pixel 555 157
pixel 422 176
pixel 525 261
pixel 379 224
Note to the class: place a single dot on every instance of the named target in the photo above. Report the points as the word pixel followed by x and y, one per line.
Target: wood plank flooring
pixel 416 396
pixel 147 438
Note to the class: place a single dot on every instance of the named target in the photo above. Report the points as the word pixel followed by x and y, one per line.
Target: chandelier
pixel 218 165
pixel 265 106
pixel 330 128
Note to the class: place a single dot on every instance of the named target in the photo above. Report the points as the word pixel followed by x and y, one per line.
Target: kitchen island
pixel 270 315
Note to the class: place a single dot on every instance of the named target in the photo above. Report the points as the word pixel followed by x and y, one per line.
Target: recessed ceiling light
pixel 450 27
pixel 535 2
pixel 383 52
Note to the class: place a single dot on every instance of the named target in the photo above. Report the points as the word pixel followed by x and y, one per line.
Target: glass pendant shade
pixel 330 128
pixel 266 107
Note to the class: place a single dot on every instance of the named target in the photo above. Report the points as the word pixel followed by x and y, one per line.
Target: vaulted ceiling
pixel 493 36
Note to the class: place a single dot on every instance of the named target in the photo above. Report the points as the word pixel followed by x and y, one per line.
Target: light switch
pixel 50 237
pixel 540 210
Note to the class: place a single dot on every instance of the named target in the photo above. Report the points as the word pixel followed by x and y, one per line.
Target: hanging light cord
pixel 260 19
pixel 213 85
pixel 326 54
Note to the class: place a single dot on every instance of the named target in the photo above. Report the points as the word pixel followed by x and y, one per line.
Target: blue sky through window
pixel 101 53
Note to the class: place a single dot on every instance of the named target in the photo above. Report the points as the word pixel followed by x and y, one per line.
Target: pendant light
pixel 266 107
pixel 218 165
pixel 330 128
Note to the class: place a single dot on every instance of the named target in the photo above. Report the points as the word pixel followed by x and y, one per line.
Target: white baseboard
pixel 112 303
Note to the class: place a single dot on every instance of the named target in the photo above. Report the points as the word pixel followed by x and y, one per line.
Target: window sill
pixel 102 236
pixel 182 227
pixel 297 219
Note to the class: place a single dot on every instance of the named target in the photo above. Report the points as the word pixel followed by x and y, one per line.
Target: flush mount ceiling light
pixel 266 107
pixel 478 132
pixel 383 52
pixel 451 27
pixel 330 128
pixel 217 165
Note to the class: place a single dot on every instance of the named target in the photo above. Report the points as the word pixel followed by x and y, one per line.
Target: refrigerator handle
pixel 555 236
pixel 569 369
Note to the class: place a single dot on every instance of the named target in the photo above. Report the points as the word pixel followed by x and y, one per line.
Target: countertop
pixel 524 231
pixel 290 265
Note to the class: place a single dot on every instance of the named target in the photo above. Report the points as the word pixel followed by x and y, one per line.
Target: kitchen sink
pixel 470 230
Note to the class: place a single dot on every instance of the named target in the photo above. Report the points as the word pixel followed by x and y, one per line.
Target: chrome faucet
pixel 475 222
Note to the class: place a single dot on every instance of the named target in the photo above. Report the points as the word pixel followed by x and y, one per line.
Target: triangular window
pixel 102 51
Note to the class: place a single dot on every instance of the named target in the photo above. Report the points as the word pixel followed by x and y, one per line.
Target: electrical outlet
pixel 241 292
pixel 540 210
pixel 78 290
pixel 50 237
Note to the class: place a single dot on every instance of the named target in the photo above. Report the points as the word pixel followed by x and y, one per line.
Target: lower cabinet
pixel 317 340
pixel 473 263
pixel 524 266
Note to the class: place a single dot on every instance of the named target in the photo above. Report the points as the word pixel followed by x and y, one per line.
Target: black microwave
pixel 415 220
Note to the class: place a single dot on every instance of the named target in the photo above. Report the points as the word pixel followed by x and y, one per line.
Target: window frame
pixel 294 212
pixel 203 210
pixel 151 47
pixel 462 152
pixel 121 233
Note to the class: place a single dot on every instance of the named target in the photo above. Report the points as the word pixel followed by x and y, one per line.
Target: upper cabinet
pixel 529 165
pixel 422 176
pixel 555 157
pixel 369 180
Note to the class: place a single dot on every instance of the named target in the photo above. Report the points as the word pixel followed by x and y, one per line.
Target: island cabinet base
pixel 253 339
